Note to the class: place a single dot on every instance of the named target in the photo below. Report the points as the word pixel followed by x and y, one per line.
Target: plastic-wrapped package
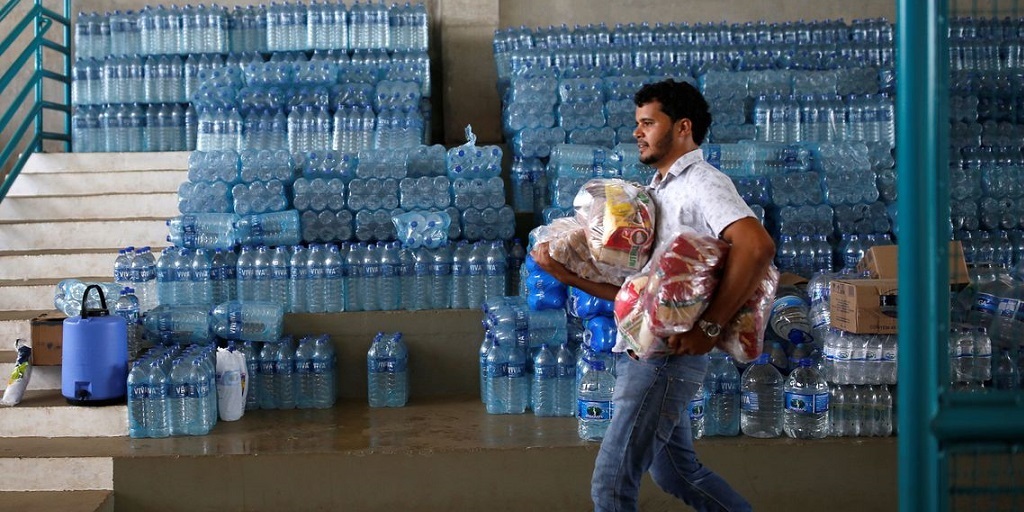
pixel 683 278
pixel 629 317
pixel 743 336
pixel 568 245
pixel 21 375
pixel 619 217
pixel 584 305
pixel 422 229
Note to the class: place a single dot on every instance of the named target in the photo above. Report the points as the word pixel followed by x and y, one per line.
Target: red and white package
pixel 619 217
pixel 683 278
pixel 743 336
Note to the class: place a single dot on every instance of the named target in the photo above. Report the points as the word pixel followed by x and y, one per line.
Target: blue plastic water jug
pixel 95 356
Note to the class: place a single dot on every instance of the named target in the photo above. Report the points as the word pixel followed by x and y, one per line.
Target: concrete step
pixel 83 234
pixel 59 263
pixel 100 206
pixel 45 413
pixel 64 501
pixel 43 377
pixel 14 325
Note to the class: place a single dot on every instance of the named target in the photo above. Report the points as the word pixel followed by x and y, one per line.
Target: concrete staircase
pixel 67 216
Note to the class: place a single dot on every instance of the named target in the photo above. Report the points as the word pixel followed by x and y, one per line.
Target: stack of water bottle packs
pixel 147 80
pixel 179 390
pixel 576 85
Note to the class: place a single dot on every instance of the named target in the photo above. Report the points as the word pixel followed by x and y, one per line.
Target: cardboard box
pixel 860 305
pixel 881 262
pixel 47 332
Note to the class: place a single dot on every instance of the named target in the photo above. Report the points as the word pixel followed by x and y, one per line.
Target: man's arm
pixel 569 278
pixel 751 252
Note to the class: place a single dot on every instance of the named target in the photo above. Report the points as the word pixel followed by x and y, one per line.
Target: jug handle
pixel 85 295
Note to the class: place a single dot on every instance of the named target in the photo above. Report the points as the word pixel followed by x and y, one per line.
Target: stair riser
pixel 57 474
pixel 163 205
pixel 43 163
pixel 11 330
pixel 83 235
pixel 26 298
pixel 70 184
pixel 58 266
pixel 43 377
pixel 64 421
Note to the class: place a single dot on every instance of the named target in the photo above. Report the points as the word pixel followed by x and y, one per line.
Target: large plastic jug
pixel 95 356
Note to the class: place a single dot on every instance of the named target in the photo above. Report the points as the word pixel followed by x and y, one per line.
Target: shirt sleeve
pixel 720 203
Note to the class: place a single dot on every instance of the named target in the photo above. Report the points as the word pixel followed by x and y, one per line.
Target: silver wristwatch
pixel 711 329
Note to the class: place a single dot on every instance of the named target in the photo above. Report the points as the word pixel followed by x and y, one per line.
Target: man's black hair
pixel 679 100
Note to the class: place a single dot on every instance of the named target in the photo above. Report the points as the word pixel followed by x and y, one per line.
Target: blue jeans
pixel 650 430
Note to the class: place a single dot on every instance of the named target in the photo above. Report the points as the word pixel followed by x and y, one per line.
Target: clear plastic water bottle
pixel 285 374
pixel 543 391
pixel 506 382
pixel 475 282
pixel 387 367
pixel 389 282
pixel 460 275
pixel 723 387
pixel 251 321
pixel 261 274
pixel 143 276
pixel 516 257
pixel 269 388
pixel 201 286
pixel 761 400
pixel 138 395
pixel 156 409
pixel 355 285
pixel 123 266
pixel 696 412
pixel 495 270
pixel 251 351
pixel 182 400
pixel 440 269
pixel 324 362
pixel 298 280
pixel 566 385
pixel 806 403
pixel 315 279
pixel 594 407
pixel 334 280
pixel 127 307
pixel 789 316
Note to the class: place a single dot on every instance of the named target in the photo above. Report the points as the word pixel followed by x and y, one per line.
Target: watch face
pixel 710 329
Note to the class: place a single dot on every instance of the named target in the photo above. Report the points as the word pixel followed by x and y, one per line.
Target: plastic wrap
pixel 568 245
pixel 619 218
pixel 683 279
pixel 743 336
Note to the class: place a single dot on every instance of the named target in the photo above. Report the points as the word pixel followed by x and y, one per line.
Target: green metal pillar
pixel 922 160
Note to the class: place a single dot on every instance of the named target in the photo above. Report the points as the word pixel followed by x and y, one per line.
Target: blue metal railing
pixel 51 33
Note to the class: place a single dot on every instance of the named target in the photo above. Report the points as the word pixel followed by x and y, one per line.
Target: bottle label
pixel 871 355
pixel 202 389
pixel 727 387
pixel 261 273
pixel 123 275
pixel 495 269
pixel 388 270
pixel 566 371
pixel 165 275
pixel 333 272
pixel 440 269
pixel 139 392
pixel 371 271
pixel 247 273
pixel 268 367
pixel 387 365
pixel 496 370
pixel 829 352
pixel 749 401
pixel 594 409
pixel 459 268
pixel 548 371
pixel 806 404
pixel 189 225
pixel 303 367
pixel 696 409
pixel 181 390
pixel 279 273
pixel 315 273
pixel 320 366
pixel 986 303
pixel 476 269
pixel 298 272
pixel 516 370
pixel 1007 308
pixel 182 275
pixel 889 355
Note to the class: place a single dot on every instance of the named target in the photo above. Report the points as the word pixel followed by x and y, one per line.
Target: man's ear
pixel 683 126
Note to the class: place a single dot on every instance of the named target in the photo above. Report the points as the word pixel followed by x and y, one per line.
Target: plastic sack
pixel 683 278
pixel 631 322
pixel 542 290
pixel 422 229
pixel 619 218
pixel 599 333
pixel 20 376
pixel 232 384
pixel 568 245
pixel 584 305
pixel 743 336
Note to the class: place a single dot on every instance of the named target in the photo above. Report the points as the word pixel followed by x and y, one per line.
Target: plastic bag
pixel 20 376
pixel 743 336
pixel 568 245
pixel 422 229
pixel 619 217
pixel 683 279
pixel 599 334
pixel 542 290
pixel 232 384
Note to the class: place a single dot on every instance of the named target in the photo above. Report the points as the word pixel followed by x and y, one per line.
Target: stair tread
pixel 430 425
pixel 65 501
pixel 69 221
pixel 8 316
pixel 64 252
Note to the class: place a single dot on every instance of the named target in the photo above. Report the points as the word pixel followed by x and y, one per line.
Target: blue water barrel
pixel 95 356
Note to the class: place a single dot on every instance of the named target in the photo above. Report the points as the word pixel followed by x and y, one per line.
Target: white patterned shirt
pixel 693 196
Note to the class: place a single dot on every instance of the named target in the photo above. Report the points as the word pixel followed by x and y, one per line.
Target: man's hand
pixel 691 343
pixel 550 265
